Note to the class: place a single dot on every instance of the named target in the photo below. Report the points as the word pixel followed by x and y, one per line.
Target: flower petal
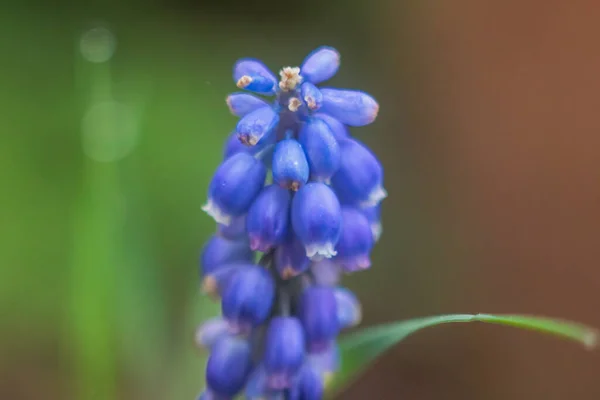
pixel 351 107
pixel 253 75
pixel 320 65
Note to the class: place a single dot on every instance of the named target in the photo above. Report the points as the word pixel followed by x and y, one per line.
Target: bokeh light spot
pixel 110 131
pixel 97 45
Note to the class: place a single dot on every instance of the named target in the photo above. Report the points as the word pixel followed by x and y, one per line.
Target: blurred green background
pixel 112 118
pixel 113 122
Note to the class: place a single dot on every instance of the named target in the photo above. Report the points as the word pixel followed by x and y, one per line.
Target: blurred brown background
pixel 488 131
pixel 503 123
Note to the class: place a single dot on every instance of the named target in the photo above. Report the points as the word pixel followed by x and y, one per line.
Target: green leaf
pixel 358 350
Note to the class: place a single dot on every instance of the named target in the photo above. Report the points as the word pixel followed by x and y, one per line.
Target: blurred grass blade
pixel 564 329
pixel 358 350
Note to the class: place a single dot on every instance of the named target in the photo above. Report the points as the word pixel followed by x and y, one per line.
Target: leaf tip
pixel 590 339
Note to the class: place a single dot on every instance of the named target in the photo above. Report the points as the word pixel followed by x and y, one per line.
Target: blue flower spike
pixel 317 219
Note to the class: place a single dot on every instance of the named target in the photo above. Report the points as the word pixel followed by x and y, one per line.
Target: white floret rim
pixel 212 209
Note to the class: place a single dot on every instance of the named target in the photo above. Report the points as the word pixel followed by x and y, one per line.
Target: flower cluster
pixel 296 201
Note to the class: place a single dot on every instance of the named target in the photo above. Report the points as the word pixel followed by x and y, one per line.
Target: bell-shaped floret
pixel 248 298
pixel 257 127
pixel 311 95
pixel 210 331
pixel 251 74
pixel 350 107
pixel 349 311
pixel 268 218
pixel 309 385
pixel 284 351
pixel 233 188
pixel 317 219
pixel 241 104
pixel 290 258
pixel 318 313
pixel 321 148
pixel 320 65
pixel 356 241
pixel 228 366
pixel 290 166
pixel 359 179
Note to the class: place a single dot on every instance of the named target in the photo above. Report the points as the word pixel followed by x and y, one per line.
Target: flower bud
pixel 325 272
pixel 234 146
pixel 309 385
pixel 248 298
pixel 350 107
pixel 210 395
pixel 253 75
pixel 321 148
pixel 236 229
pixel 284 351
pixel 257 388
pixel 219 251
pixel 359 180
pixel 311 95
pixel 320 65
pixel 258 126
pixel 290 258
pixel 210 331
pixel 290 167
pixel 215 282
pixel 326 361
pixel 373 214
pixel 268 218
pixel 316 219
pixel 349 312
pixel 234 187
pixel 318 313
pixel 339 130
pixel 356 241
pixel 228 366
pixel 241 104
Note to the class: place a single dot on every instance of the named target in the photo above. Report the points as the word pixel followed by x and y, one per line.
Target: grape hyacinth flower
pixel 318 219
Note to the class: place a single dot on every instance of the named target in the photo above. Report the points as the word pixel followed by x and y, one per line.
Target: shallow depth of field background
pixel 112 118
